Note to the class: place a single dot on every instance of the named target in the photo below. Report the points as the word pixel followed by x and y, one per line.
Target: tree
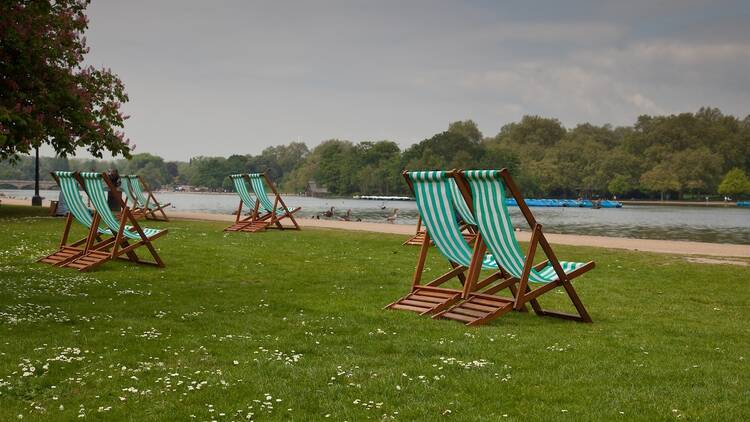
pixel 47 95
pixel 236 164
pixel 291 156
pixel 379 172
pixel 278 160
pixel 498 156
pixel 468 129
pixel 620 185
pixel 336 166
pixel 735 183
pixel 576 159
pixel 660 179
pixel 697 169
pixel 173 169
pixel 151 167
pixel 620 163
pixel 90 165
pixel 442 151
pixel 209 172
pixel 533 130
pixel 375 152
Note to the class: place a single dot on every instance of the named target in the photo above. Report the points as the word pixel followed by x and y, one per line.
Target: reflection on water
pixel 698 223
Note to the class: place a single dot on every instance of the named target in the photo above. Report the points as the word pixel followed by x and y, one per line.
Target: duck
pixel 392 218
pixel 347 216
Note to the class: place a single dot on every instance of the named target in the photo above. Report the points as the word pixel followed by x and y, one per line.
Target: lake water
pixel 698 223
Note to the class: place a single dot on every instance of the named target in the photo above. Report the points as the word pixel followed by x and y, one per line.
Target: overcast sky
pixel 225 77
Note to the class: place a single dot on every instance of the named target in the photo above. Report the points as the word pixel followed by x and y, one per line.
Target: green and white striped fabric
pixel 496 228
pixel 256 179
pixel 125 187
pixel 74 202
pixel 95 189
pixel 460 204
pixel 137 190
pixel 435 203
pixel 241 188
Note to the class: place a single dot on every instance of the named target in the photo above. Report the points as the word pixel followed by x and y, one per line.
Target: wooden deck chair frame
pixel 523 294
pixel 429 298
pixel 121 246
pixel 262 218
pixel 92 244
pixel 151 206
pixel 467 228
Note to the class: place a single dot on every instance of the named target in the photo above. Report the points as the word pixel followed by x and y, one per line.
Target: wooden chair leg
pixel 294 221
pixel 161 210
pixel 582 316
pixel 577 303
pixel 461 276
pixel 155 254
pixel 130 253
pixel 514 292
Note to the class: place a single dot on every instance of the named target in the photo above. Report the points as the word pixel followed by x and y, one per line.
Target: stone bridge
pixel 27 184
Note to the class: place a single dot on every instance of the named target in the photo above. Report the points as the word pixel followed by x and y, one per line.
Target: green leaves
pixel 47 96
pixel 735 182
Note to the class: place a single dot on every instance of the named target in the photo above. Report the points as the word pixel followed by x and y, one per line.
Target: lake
pixel 697 223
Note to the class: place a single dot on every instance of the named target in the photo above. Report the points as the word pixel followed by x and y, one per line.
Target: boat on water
pixel 610 204
pixel 567 203
pixel 383 198
pixel 532 202
pixel 744 204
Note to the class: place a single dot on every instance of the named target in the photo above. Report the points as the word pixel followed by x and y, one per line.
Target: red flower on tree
pixel 46 95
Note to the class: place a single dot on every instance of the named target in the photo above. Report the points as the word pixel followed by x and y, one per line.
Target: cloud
pixel 669 52
pixel 568 91
pixel 641 102
pixel 604 84
pixel 581 32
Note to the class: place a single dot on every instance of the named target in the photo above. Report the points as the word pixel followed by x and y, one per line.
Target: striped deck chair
pixel 467 220
pixel 126 237
pixel 488 191
pixel 265 213
pixel 93 244
pixel 130 199
pixel 246 200
pixel 147 202
pixel 435 203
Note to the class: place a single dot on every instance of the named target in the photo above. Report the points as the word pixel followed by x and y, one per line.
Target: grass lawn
pixel 290 326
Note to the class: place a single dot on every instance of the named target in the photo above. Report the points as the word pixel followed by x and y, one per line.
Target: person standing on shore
pixel 114 196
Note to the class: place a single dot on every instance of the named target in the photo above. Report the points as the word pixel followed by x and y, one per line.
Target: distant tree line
pixel 676 156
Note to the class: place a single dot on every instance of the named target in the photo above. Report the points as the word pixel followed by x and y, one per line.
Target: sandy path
pixel 646 245
pixel 13 201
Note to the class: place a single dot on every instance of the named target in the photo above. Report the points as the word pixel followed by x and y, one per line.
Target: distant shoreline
pixel 634 202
